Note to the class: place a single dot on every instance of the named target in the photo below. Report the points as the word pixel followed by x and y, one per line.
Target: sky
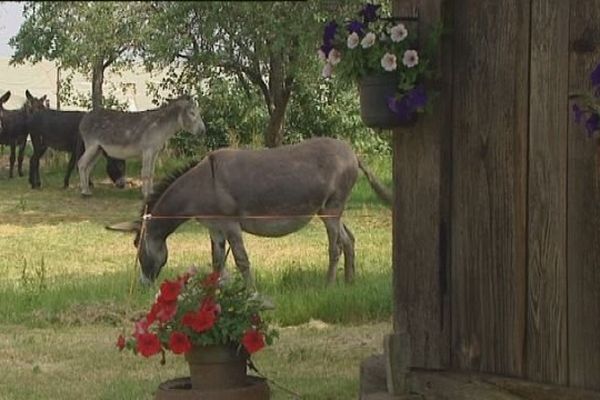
pixel 10 21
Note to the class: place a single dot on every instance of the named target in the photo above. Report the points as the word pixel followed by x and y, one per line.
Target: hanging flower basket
pixel 382 56
pixel 374 93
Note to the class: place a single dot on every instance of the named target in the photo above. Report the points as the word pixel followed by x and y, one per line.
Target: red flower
pixel 148 344
pixel 253 341
pixel 211 280
pixel 169 290
pixel 209 305
pixel 179 343
pixel 121 342
pixel 200 321
pixel 141 327
pixel 164 312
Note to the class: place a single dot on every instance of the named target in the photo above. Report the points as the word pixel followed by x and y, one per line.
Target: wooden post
pixel 421 218
pixel 489 184
pixel 546 344
pixel 583 246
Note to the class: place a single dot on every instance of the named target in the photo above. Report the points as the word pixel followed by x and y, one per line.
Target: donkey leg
pixel 20 156
pixel 11 159
pixel 333 234
pixel 148 163
pixel 234 237
pixel 347 239
pixel 217 247
pixel 85 164
pixel 70 167
pixel 34 162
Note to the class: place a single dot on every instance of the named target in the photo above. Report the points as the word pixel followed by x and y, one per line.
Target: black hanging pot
pixel 374 91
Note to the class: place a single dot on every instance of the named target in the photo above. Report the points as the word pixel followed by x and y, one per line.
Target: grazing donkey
pixel 267 192
pixel 123 134
pixel 59 130
pixel 14 128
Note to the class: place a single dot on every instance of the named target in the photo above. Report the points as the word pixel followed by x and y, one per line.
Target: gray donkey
pixel 266 192
pixel 126 135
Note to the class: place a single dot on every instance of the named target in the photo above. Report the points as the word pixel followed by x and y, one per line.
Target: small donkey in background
pixel 14 128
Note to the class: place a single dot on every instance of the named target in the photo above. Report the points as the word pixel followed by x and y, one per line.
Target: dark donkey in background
pixel 14 128
pixel 59 130
pixel 267 192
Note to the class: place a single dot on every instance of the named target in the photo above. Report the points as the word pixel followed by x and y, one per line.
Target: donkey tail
pixel 384 193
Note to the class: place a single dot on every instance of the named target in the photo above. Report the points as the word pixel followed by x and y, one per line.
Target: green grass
pixel 65 278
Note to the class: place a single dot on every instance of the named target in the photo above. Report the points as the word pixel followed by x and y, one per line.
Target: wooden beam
pixel 583 246
pixel 421 215
pixel 546 344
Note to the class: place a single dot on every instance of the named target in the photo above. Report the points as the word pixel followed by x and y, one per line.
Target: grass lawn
pixel 65 292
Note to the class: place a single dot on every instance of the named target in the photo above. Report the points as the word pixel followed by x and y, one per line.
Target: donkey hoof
pixel 120 183
pixel 86 195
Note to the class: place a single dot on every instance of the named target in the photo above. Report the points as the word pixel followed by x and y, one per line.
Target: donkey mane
pixel 162 186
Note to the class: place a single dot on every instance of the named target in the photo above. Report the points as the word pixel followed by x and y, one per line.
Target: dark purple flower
pixel 326 48
pixel 592 124
pixel 369 12
pixel 400 107
pixel 356 26
pixel 329 32
pixel 578 112
pixel 417 97
pixel 595 76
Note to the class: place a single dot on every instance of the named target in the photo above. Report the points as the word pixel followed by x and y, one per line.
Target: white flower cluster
pixel 396 34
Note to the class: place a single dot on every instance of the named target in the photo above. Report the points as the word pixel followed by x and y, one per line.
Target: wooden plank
pixel 421 218
pixel 583 247
pixel 446 385
pixel 546 351
pixel 490 124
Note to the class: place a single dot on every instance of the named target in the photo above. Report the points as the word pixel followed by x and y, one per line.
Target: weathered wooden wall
pixel 497 214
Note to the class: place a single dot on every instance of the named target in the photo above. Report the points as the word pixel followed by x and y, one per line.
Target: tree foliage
pixel 84 36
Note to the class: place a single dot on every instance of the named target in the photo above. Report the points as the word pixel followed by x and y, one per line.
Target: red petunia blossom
pixel 164 312
pixel 141 327
pixel 209 305
pixel 148 344
pixel 253 341
pixel 179 343
pixel 121 342
pixel 169 290
pixel 200 321
pixel 212 279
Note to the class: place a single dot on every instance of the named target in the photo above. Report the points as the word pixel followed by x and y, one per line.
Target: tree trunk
pixel 279 89
pixel 97 81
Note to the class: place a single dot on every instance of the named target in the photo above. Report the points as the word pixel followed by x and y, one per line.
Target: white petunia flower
pixel 368 40
pixel 353 40
pixel 321 55
pixel 411 58
pixel 388 62
pixel 334 57
pixel 327 70
pixel 398 33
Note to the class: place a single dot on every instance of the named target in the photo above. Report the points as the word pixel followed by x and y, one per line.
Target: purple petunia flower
pixel 326 48
pixel 592 124
pixel 400 108
pixel 417 97
pixel 369 12
pixel 578 112
pixel 329 32
pixel 595 77
pixel 355 26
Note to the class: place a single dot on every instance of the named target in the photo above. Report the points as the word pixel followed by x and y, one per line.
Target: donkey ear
pixel 5 97
pixel 130 226
pixel 28 95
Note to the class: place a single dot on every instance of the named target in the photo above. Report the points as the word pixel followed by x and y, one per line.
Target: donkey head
pixel 3 100
pixel 189 116
pixel 35 104
pixel 152 251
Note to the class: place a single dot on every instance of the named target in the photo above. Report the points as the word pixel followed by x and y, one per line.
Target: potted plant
pixel 215 323
pixel 382 56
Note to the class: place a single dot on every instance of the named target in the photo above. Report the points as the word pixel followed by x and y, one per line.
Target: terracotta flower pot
pixel 374 92
pixel 217 367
